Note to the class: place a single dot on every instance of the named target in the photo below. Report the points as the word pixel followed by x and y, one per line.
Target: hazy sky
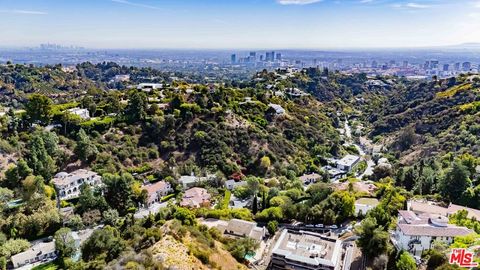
pixel 281 24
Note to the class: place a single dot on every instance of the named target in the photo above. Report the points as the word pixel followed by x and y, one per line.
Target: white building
pixel 311 178
pixel 348 162
pixel 83 113
pixel 306 251
pixel 147 87
pixel 363 205
pixel 242 228
pixel 428 207
pixel 38 252
pixel 279 110
pixel 121 78
pixel 231 184
pixel 188 181
pixel 156 191
pixel 416 233
pixel 68 184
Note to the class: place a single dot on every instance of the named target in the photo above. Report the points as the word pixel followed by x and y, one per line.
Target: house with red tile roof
pixel 417 232
pixel 195 198
pixel 156 191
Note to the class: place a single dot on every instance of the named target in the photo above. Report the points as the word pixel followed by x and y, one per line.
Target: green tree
pixel 373 240
pixel 272 226
pixel 39 159
pixel 405 262
pixel 65 243
pixel 85 149
pixel 113 104
pixel 186 216
pixel 89 104
pixel 15 174
pixel 456 181
pixel 5 196
pixel 3 263
pixel 110 217
pixel 105 242
pixel 265 163
pixel 137 107
pixel 241 247
pixel 13 246
pixel 255 204
pixel 88 200
pixel 118 191
pixel 13 122
pixel 69 119
pixel 39 109
pixel 33 185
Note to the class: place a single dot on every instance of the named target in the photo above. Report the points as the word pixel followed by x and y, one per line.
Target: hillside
pixel 189 127
pixel 435 117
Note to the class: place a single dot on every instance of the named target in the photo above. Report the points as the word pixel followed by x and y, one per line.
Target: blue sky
pixel 229 24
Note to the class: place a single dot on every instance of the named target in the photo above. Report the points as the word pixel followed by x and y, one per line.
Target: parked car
pixel 309 225
pixel 319 226
pixel 333 227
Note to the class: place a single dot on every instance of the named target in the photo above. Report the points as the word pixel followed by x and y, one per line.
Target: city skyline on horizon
pixel 241 25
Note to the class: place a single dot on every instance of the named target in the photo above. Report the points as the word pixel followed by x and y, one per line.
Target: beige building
pixel 242 228
pixel 195 198
pixel 306 251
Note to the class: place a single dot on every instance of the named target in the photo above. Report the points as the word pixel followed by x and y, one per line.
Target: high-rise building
pixel 270 56
pixel 405 64
pixel 457 66
pixel 374 64
pixel 446 67
pixel 434 64
pixel 466 66
pixel 426 65
pixel 233 58
pixel 279 57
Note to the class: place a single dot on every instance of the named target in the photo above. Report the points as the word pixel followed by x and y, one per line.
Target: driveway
pixel 153 209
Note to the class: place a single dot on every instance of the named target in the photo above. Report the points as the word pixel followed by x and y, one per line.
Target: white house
pixel 68 184
pixel 147 87
pixel 416 233
pixel 279 110
pixel 231 184
pixel 188 181
pixel 306 251
pixel 122 78
pixel 157 191
pixel 310 178
pixel 347 162
pixel 242 228
pixel 38 252
pixel 429 207
pixel 363 205
pixel 83 113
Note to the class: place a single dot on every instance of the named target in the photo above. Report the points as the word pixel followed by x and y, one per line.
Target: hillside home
pixel 195 198
pixel 156 191
pixel 416 233
pixel 68 184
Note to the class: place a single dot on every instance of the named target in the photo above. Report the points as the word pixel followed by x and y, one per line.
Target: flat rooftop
pixel 348 160
pixel 367 201
pixel 308 247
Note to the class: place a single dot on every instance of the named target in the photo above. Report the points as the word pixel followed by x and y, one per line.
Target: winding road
pixel 370 164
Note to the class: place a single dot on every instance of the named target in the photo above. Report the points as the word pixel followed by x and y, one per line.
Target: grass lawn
pixel 47 266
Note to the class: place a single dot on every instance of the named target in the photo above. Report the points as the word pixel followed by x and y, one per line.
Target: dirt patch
pixel 223 260
pixel 175 255
pixel 411 157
